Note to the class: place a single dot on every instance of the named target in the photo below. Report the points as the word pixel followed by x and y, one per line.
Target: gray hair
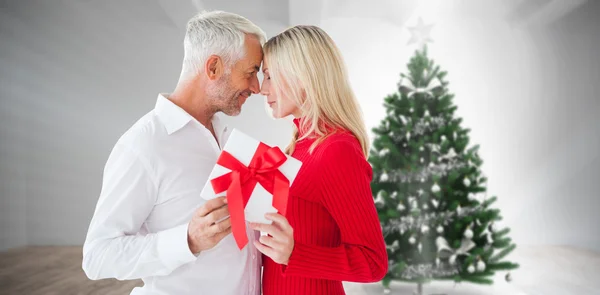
pixel 219 33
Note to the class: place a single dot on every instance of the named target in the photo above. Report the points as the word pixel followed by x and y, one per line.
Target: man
pixel 150 222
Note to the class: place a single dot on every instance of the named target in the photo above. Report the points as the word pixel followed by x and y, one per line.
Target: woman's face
pixel 281 106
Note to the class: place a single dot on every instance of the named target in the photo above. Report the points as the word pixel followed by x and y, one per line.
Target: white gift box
pixel 243 148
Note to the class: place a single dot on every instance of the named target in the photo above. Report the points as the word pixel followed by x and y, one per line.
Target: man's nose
pixel 254 86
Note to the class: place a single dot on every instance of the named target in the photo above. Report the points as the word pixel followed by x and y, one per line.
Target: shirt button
pixel 253 256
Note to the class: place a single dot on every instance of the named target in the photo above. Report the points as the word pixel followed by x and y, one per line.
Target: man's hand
pixel 203 232
pixel 280 244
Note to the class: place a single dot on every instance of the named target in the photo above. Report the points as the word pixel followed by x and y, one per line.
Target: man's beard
pixel 224 97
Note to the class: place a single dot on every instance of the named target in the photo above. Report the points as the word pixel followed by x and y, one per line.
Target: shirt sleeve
pixel 346 194
pixel 113 247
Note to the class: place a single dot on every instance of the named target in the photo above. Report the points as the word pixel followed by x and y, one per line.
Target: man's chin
pixel 232 112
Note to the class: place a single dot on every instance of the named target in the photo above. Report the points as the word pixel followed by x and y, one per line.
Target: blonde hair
pixel 305 62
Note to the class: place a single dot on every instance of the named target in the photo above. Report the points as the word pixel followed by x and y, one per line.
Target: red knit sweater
pixel 336 230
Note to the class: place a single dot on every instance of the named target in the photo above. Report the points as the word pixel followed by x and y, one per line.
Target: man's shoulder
pixel 146 131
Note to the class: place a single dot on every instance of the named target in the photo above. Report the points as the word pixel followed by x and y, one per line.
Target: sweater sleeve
pixel 346 195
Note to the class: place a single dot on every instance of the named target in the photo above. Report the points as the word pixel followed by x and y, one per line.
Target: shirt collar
pixel 174 117
pixel 170 114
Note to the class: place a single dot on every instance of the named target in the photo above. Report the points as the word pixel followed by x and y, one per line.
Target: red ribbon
pixel 240 182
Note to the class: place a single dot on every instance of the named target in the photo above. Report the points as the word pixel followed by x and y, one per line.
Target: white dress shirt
pixel 150 190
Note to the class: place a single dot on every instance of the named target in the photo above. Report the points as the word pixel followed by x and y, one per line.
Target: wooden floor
pixel 52 271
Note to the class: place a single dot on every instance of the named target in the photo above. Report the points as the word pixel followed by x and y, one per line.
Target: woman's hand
pixel 278 245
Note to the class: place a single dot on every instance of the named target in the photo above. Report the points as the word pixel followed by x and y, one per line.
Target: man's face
pixel 235 85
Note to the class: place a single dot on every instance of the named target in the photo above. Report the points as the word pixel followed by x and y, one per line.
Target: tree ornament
pixel 379 199
pixel 384 152
pixel 440 229
pixel 508 277
pixel 452 259
pixel 472 197
pixel 451 154
pixel 435 188
pixel 414 204
pixel 471 269
pixel 412 240
pixel 403 119
pixel 400 207
pixel 384 177
pixel 467 182
pixel 425 229
pixel 468 233
pixel 435 203
pixel 480 266
pixel 420 34
pixel 443 138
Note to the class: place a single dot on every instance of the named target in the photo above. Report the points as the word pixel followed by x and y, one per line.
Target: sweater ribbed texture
pixel 336 229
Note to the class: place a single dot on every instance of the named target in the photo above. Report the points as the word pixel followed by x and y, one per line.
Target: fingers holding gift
pixel 222 226
pixel 270 242
pixel 279 252
pixel 270 229
pixel 280 221
pixel 211 206
pixel 280 242
pixel 208 225
pixel 217 215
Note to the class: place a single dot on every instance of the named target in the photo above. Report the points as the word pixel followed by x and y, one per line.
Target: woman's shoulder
pixel 341 143
pixel 340 154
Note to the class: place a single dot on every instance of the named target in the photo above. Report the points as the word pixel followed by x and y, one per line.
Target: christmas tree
pixel 429 189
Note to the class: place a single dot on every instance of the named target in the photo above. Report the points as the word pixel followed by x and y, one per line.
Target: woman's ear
pixel 303 95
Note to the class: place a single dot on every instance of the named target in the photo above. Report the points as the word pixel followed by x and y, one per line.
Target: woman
pixel 336 234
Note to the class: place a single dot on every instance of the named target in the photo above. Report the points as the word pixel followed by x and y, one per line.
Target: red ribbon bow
pixel 240 182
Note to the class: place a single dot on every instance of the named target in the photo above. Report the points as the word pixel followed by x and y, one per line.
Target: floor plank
pixel 53 270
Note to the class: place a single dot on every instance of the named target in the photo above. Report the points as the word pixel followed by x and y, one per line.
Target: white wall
pixel 561 167
pixel 75 75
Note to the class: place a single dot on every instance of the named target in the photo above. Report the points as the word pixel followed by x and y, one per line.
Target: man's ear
pixel 213 67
